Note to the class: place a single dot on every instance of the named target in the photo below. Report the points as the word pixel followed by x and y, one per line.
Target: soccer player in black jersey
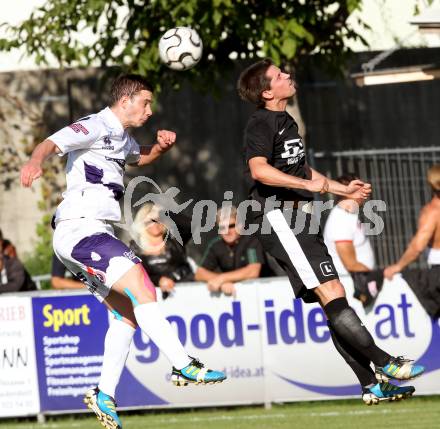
pixel 283 184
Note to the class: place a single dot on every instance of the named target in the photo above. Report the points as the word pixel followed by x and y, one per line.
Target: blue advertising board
pixel 69 343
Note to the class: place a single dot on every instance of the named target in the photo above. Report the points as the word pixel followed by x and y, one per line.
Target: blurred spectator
pixel 163 257
pixel 350 248
pixel 9 249
pixel 426 284
pixel 58 278
pixel 6 247
pixel 13 276
pixel 231 257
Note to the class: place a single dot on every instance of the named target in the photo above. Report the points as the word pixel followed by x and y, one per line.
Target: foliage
pixel 125 33
pixel 16 115
pixel 424 4
pixel 40 260
pixel 21 129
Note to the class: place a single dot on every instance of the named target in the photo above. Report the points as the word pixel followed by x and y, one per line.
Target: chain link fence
pixel 398 177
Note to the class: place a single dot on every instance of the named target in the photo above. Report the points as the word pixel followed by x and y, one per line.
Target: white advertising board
pixel 275 348
pixel 18 377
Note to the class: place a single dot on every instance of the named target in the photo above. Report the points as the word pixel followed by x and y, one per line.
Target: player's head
pixel 433 178
pixel 227 224
pixel 264 81
pixel 131 96
pixel 146 222
pixel 345 179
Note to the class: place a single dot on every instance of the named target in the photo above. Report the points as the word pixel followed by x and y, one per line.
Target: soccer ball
pixel 180 48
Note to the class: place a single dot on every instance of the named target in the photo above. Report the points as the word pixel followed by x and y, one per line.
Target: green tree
pixel 126 33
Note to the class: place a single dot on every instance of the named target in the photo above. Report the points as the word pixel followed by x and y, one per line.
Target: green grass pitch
pixel 417 413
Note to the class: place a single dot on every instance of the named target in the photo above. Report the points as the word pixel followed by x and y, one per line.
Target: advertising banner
pixel 271 346
pixel 18 381
pixel 69 341
pixel 276 348
pixel 224 333
pixel 300 359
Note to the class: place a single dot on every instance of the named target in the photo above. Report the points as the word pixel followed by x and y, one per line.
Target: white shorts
pixel 89 249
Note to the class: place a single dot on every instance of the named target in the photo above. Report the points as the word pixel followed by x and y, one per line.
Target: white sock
pixel 154 324
pixel 116 348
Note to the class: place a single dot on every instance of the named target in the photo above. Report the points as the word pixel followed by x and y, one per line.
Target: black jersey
pixel 274 135
pixel 222 257
pixel 171 262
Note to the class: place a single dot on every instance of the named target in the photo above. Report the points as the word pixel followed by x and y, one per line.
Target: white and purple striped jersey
pixel 97 148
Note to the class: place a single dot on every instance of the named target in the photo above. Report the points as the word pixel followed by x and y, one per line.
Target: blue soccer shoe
pixel 399 369
pixel 104 406
pixel 386 392
pixel 196 373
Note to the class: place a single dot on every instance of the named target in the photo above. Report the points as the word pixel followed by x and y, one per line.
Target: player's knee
pixel 148 284
pixel 330 291
pixel 141 290
pixel 129 319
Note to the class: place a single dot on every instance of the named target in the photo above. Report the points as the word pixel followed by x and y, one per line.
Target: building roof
pixel 429 18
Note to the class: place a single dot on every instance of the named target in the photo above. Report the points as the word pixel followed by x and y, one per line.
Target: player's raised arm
pixel 425 231
pixel 355 189
pixel 33 169
pixel 165 141
pixel 265 173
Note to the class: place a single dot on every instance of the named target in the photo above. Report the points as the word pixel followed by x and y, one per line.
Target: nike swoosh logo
pixel 281 132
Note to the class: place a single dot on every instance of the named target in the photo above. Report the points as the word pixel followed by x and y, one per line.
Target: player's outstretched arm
pixel 425 231
pixel 165 141
pixel 33 169
pixel 356 189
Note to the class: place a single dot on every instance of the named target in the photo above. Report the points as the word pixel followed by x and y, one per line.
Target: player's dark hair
pixel 346 178
pixel 128 85
pixel 253 81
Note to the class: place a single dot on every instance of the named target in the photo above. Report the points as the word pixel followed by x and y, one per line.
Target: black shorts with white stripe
pixel 295 240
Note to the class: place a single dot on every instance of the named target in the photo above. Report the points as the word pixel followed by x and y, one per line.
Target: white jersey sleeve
pixel 344 226
pixel 134 152
pixel 341 225
pixel 79 135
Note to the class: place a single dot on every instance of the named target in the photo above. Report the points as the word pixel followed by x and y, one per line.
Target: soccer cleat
pixel 104 406
pixel 399 369
pixel 196 373
pixel 386 392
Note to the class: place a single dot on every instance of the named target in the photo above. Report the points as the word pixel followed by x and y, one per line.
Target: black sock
pixel 349 328
pixel 357 362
